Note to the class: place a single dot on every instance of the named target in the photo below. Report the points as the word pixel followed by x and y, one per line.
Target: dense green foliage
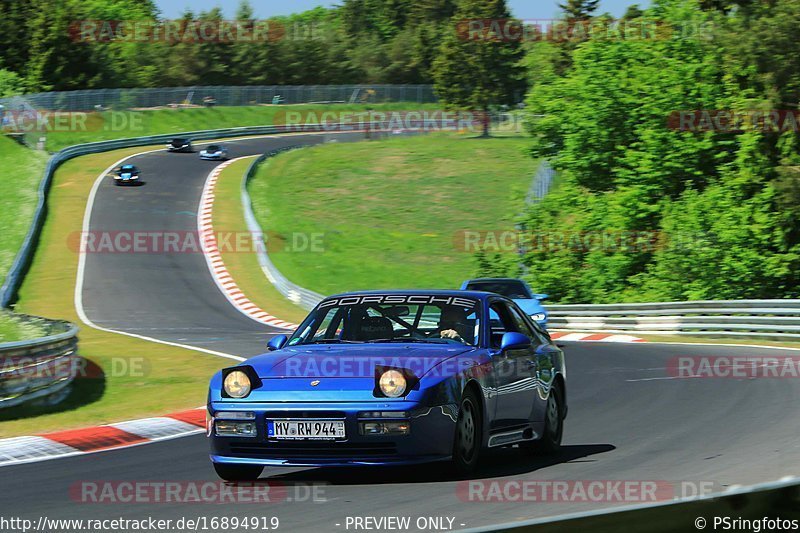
pixel 361 41
pixel 722 208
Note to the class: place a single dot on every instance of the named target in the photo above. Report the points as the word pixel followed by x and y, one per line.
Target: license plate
pixel 305 429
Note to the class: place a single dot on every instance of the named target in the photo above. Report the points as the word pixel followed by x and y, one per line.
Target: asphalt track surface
pixel 628 419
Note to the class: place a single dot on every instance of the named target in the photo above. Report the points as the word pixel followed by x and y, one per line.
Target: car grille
pixel 317 450
pixel 316 415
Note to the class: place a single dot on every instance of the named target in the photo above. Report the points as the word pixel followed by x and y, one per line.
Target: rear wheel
pixel 553 426
pixel 467 443
pixel 238 472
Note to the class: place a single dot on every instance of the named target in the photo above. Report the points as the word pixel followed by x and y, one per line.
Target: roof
pixel 493 279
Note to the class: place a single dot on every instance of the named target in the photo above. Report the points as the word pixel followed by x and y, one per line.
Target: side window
pixel 523 327
pixel 500 322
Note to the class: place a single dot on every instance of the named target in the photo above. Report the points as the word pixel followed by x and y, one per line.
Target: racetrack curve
pixel 628 420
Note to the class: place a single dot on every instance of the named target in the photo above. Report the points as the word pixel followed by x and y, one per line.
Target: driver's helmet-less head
pixel 453 317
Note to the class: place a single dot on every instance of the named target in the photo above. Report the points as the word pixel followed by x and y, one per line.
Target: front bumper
pixel 430 438
pixel 213 157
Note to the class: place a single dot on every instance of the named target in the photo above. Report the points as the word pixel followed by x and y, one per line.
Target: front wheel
pixel 550 442
pixel 467 443
pixel 238 472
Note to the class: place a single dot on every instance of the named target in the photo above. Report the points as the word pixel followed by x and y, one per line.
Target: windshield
pixel 392 318
pixel 508 288
pixel 179 142
pixel 214 148
pixel 128 168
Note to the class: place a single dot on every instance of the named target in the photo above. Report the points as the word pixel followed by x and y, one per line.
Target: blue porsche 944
pixel 391 377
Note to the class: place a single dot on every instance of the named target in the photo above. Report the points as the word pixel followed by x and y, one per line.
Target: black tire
pixel 550 443
pixel 238 472
pixel 467 440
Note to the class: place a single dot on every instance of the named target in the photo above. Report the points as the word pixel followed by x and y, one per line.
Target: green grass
pixel 173 378
pixel 20 172
pixel 390 211
pixel 14 328
pixel 164 121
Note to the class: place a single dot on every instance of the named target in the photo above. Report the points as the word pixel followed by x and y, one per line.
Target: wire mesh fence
pixel 127 99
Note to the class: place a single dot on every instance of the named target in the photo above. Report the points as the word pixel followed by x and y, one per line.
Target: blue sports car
pixel 397 377
pixel 126 174
pixel 516 289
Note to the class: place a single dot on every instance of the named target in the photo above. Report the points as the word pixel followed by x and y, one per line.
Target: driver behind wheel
pixel 453 324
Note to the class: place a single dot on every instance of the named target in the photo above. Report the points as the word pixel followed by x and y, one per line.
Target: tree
pixel 579 10
pixel 633 12
pixel 10 83
pixel 475 74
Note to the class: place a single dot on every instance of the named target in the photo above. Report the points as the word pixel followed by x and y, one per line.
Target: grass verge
pixel 14 328
pixel 228 216
pixel 388 213
pixel 20 173
pixel 133 378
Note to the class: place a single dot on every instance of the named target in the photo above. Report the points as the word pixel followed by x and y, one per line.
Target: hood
pixel 351 361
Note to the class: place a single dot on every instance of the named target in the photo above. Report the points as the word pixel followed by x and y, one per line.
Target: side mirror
pixel 541 296
pixel 514 341
pixel 277 342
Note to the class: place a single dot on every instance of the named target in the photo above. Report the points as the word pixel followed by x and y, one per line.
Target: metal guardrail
pixel 40 367
pixel 755 318
pixel 123 99
pixel 305 298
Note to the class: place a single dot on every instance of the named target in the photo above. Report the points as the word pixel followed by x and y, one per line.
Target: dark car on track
pixel 179 144
pixel 126 174
pixel 391 378
pixel 516 289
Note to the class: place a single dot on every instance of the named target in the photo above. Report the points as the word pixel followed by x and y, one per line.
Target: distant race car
pixel 179 144
pixel 391 378
pixel 516 289
pixel 214 152
pixel 126 174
